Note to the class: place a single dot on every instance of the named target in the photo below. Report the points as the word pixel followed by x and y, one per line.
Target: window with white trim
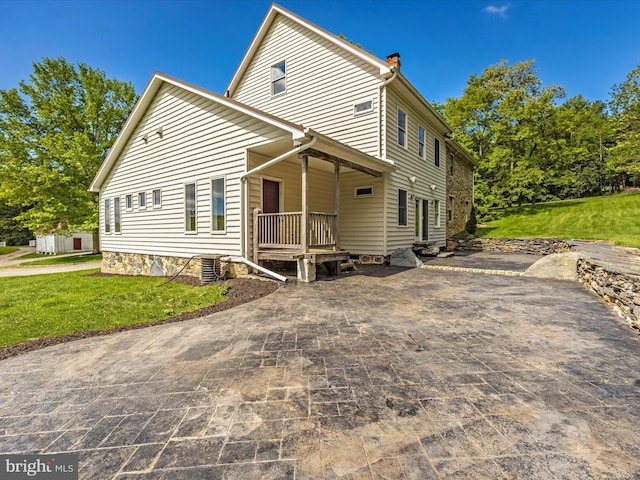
pixel 218 205
pixel 156 197
pixel 190 224
pixel 107 215
pixel 129 201
pixel 278 78
pixel 402 128
pixel 421 137
pixel 402 208
pixel 116 215
pixel 436 213
pixel 364 107
pixel 142 200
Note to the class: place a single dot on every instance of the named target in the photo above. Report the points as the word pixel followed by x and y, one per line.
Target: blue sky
pixel 586 46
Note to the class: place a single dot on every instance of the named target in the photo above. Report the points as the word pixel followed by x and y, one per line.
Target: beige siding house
pixel 317 151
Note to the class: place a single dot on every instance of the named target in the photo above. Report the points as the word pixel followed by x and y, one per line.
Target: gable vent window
pixel 363 107
pixel 278 78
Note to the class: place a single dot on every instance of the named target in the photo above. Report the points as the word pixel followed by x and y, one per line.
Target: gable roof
pixel 274 11
pixel 140 108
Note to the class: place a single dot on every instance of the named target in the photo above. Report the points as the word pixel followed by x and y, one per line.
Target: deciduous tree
pixel 55 130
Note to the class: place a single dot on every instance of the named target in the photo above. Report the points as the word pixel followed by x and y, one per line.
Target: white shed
pixel 57 244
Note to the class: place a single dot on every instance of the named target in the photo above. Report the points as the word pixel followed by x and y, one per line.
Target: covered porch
pixel 307 235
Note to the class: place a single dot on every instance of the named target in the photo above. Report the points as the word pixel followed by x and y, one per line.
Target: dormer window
pixel 278 78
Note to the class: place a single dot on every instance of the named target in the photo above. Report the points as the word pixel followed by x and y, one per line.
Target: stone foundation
pixel 530 246
pixel 150 265
pixel 621 290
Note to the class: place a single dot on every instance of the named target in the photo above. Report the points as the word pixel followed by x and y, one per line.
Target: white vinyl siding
pixel 361 218
pixel 408 164
pixel 201 140
pixel 321 77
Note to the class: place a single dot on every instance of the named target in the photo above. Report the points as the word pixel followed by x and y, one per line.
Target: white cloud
pixel 499 11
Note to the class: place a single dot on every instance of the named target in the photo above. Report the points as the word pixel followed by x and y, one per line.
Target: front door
pixel 270 196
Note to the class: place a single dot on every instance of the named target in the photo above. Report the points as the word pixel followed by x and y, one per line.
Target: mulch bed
pixel 241 290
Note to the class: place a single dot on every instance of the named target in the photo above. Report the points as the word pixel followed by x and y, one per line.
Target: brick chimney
pixel 394 60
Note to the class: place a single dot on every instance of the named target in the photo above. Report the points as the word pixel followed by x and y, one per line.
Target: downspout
pixel 384 84
pixel 384 180
pixel 244 191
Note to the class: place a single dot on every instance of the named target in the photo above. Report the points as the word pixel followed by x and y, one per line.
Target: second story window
pixel 402 128
pixel 421 149
pixel 278 78
pixel 436 147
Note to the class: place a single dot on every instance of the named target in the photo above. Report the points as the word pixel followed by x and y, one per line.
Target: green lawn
pixel 615 218
pixel 55 260
pixel 5 250
pixel 33 255
pixel 53 305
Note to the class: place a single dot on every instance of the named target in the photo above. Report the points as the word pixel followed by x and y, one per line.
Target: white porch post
pixel 304 221
pixel 336 204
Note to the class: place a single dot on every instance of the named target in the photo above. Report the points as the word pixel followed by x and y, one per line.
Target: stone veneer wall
pixel 460 187
pixel 621 290
pixel 531 246
pixel 153 265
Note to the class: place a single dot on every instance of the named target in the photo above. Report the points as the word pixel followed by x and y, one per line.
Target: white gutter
pixel 244 200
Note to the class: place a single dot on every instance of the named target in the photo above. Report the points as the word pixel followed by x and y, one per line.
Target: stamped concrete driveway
pixel 420 374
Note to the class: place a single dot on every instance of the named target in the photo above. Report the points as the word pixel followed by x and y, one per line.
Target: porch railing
pixel 283 230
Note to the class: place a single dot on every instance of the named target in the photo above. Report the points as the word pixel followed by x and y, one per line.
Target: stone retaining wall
pixel 620 289
pixel 151 265
pixel 531 246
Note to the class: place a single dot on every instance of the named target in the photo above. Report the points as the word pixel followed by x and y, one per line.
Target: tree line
pixel 533 144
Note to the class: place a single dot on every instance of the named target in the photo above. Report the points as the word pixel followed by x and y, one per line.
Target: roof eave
pixel 297 131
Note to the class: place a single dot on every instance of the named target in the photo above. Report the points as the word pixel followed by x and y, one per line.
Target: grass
pixel 5 250
pixel 33 255
pixel 53 305
pixel 614 218
pixel 53 260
